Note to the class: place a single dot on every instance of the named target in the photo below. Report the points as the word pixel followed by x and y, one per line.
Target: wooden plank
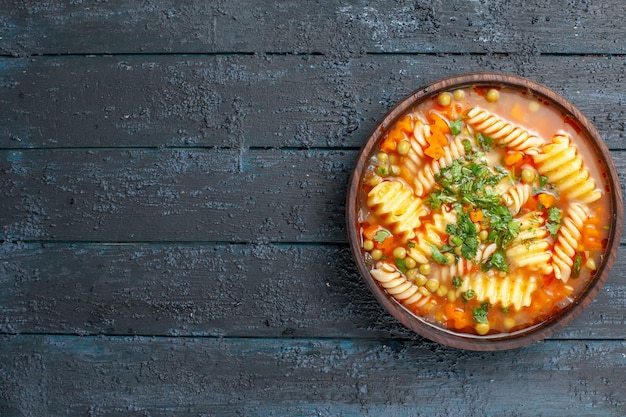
pixel 77 376
pixel 260 100
pixel 205 195
pixel 174 195
pixel 522 28
pixel 260 290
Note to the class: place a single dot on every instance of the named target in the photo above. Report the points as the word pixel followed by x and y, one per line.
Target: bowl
pixel 427 212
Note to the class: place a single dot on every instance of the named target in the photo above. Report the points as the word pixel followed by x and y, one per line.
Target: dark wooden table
pixel 172 185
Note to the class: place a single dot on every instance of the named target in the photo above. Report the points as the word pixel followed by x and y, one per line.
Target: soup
pixel 483 212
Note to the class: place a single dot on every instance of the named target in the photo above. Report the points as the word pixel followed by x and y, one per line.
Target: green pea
pixel 425 269
pixel 399 252
pixel 411 274
pixel 403 147
pixel 492 95
pixel 376 254
pixel 528 175
pixel 432 285
pixel 442 291
pixel 482 328
pixel 450 258
pixel 368 245
pixel 444 99
pixel 459 95
pixel 420 280
pixel 410 262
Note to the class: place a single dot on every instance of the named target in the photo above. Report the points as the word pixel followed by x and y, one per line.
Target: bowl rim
pixel 499 341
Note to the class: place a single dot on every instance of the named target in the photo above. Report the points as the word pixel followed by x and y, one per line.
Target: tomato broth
pixel 483 211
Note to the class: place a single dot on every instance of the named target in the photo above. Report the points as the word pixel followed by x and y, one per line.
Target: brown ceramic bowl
pixel 538 331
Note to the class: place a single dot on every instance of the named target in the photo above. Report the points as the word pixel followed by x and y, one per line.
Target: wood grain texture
pixel 259 100
pixel 188 377
pixel 260 290
pixel 336 28
pixel 206 195
pixel 172 188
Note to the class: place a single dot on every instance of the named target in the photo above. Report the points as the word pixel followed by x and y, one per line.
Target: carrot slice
pixel 513 158
pixel 476 215
pixel 437 138
pixel 439 124
pixel 435 152
pixel 391 141
pixel 405 124
pixel 546 200
pixel 591 238
pixel 370 231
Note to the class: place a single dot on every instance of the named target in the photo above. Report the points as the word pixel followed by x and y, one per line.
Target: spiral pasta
pixel 516 197
pixel 425 179
pixel 568 236
pixel 531 248
pixel 421 251
pixel 560 163
pixel 396 284
pixel 397 207
pixel 414 159
pixel 445 273
pixel 510 290
pixel 503 132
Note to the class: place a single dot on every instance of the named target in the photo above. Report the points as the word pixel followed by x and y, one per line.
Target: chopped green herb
pixel 401 263
pixel 485 142
pixel 497 261
pixel 468 295
pixel 505 309
pixel 411 244
pixel 554 220
pixel 381 235
pixel 446 248
pixel 469 183
pixel 480 313
pixel 437 256
pixel 456 126
pixel 465 235
pixel 578 262
pixel 467 146
pixel 457 282
pixel 455 240
pixel 543 180
pixel 382 171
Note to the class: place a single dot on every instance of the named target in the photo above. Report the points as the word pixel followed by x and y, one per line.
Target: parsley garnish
pixel 578 262
pixel 401 263
pixel 554 220
pixel 469 184
pixel 480 313
pixel 485 142
pixel 465 231
pixel 437 256
pixel 456 126
pixel 468 295
pixel 381 235
pixel 497 261
pixel 457 282
pixel 382 171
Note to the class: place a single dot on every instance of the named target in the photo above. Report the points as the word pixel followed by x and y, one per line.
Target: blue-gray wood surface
pixel 172 186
